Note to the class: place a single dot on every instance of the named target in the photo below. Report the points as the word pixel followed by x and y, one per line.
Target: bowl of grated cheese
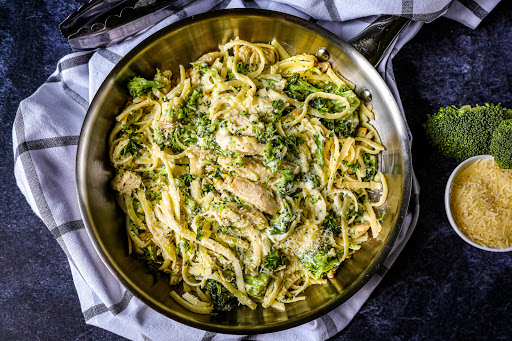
pixel 478 202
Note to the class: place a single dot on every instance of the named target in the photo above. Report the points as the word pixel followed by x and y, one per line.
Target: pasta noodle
pixel 249 172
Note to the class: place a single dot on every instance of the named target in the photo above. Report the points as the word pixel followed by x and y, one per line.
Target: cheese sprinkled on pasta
pixel 247 176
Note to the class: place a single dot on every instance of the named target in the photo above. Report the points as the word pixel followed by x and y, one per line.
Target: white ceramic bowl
pixel 460 168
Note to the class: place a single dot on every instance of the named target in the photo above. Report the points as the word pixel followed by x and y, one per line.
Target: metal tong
pixel 101 23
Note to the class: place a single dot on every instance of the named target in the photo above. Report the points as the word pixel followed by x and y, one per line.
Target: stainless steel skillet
pixel 181 43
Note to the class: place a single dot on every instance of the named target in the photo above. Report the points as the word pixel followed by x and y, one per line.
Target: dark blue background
pixel 439 288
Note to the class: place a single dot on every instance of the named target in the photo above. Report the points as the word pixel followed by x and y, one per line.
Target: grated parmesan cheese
pixel 481 204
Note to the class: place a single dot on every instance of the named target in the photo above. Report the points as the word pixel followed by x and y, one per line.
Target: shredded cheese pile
pixel 481 203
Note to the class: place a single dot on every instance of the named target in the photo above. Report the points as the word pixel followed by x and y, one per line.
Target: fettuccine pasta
pixel 246 178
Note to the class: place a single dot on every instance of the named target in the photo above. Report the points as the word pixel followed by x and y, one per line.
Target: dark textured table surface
pixel 439 287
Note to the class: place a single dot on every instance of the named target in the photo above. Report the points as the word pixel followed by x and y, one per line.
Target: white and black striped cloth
pixel 48 124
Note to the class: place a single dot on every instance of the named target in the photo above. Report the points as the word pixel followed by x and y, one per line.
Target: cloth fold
pixel 48 123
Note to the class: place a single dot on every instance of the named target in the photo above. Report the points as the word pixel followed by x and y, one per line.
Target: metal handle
pixel 101 23
pixel 375 40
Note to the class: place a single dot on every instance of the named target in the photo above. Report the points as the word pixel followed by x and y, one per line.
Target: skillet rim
pixel 375 264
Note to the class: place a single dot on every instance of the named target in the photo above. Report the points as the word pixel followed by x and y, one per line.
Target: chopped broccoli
pixel 274 152
pixel 192 205
pixel 278 147
pixel 501 144
pixel 138 85
pixel 343 126
pixel 319 261
pixel 287 182
pixel 283 220
pixel 371 166
pixel 256 285
pixel 222 298
pixel 153 261
pixel 243 68
pixel 276 109
pixel 465 132
pixel 332 223
pixel 152 195
pixel 183 181
pixel 357 214
pixel 319 150
pixel 299 88
pixel 273 259
pixel 134 145
pixel 204 69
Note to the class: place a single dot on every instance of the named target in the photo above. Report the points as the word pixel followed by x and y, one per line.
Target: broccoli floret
pixel 332 223
pixel 286 184
pixel 501 144
pixel 371 166
pixel 319 150
pixel 138 85
pixel 283 220
pixel 256 285
pixel 278 147
pixel 320 261
pixel 465 132
pixel 273 259
pixel 152 195
pixel 222 298
pixel 343 126
pixel 299 88
pixel 204 69
pixel 311 179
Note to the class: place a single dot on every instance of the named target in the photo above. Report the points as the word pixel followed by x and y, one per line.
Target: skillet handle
pixel 375 40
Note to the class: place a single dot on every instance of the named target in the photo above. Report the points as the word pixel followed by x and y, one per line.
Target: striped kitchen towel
pixel 48 124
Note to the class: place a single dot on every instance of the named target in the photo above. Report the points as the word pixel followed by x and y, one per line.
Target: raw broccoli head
pixel 501 144
pixel 465 132
pixel 138 85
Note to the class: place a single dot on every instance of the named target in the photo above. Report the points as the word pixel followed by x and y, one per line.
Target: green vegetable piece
pixel 299 88
pixel 152 261
pixel 319 150
pixel 138 85
pixel 283 220
pixel 332 223
pixel 183 181
pixel 370 162
pixel 256 285
pixel 152 195
pixel 273 260
pixel 318 262
pixel 465 132
pixel 501 144
pixel 222 298
pixel 134 145
pixel 287 182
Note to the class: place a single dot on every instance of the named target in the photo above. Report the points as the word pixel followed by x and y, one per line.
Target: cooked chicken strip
pixel 250 168
pixel 126 182
pixel 254 193
pixel 239 144
pixel 240 217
